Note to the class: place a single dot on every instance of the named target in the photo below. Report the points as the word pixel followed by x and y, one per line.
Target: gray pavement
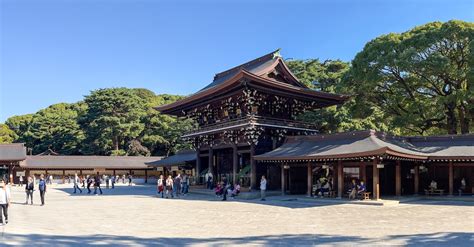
pixel 133 216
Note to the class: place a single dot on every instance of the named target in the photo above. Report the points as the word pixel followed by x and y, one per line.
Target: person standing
pixel 177 185
pixel 97 184
pixel 169 186
pixel 160 186
pixel 4 202
pixel 123 178
pixel 209 180
pixel 51 179
pixel 130 179
pixel 30 187
pixel 107 181
pixel 76 183
pixel 225 186
pixel 21 180
pixel 112 180
pixel 263 188
pixel 42 188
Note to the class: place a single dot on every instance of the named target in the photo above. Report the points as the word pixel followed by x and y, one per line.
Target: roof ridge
pixel 273 54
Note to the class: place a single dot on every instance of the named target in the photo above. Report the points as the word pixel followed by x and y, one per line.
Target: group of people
pixel 357 190
pixel 224 188
pixel 173 187
pixel 323 185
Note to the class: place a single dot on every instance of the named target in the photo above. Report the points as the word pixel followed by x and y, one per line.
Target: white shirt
pixel 4 196
pixel 263 184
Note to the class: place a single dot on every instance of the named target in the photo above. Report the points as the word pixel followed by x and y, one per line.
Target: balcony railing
pixel 253 120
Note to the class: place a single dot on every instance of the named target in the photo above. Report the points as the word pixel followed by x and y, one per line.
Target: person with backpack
pixel 42 188
pixel 76 184
pixel 4 202
pixel 30 187
pixel 97 184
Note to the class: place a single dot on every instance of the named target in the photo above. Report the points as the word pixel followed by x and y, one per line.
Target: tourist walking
pixel 50 179
pixel 185 186
pixel 123 178
pixel 4 202
pixel 130 179
pixel 29 188
pixel 42 188
pixel 76 183
pixel 112 180
pixel 97 184
pixel 169 187
pixel 160 186
pixel 177 185
pixel 21 180
pixel 89 183
pixel 263 188
pixel 107 181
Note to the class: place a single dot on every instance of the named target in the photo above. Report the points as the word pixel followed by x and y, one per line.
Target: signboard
pixel 160 169
pixel 380 166
pixel 99 170
pixel 175 168
pixel 20 173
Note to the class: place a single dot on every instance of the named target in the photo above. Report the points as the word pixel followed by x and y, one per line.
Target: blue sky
pixel 58 51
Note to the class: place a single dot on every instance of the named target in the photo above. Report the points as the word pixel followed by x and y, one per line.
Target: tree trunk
pixel 116 143
pixel 451 126
pixel 464 119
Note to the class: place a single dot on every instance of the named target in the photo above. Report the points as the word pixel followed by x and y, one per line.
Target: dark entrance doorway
pixel 298 180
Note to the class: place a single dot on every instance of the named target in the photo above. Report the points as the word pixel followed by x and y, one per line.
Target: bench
pixel 434 192
pixel 365 196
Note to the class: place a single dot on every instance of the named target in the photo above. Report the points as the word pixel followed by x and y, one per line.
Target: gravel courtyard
pixel 134 216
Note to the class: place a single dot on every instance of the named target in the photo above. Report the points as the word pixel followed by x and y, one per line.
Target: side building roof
pixel 359 144
pixel 12 152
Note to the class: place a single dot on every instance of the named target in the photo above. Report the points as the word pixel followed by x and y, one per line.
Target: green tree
pixel 56 128
pixel 113 118
pixel 6 134
pixel 421 80
pixel 20 125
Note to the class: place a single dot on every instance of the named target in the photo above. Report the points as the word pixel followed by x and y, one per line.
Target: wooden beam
pixel 235 163
pixel 451 177
pixel 416 180
pixel 253 168
pixel 211 161
pixel 198 165
pixel 310 179
pixel 340 178
pixel 283 180
pixel 398 179
pixel 376 181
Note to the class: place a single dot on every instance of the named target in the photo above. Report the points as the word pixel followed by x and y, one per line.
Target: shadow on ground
pixel 435 239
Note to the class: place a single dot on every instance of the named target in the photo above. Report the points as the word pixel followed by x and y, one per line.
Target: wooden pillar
pixel 146 176
pixel 253 168
pixel 310 179
pixel 80 173
pixel 376 182
pixel 398 179
pixel 64 176
pixel 198 166
pixel 362 172
pixel 211 161
pixel 235 163
pixel 113 172
pixel 340 179
pixel 451 177
pixel 283 180
pixel 416 179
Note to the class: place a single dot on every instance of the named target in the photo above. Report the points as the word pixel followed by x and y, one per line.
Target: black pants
pixel 29 194
pixel 95 189
pixel 42 192
pixel 88 188
pixel 76 186
pixel 4 208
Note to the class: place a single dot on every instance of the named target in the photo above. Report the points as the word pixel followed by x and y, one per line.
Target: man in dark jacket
pixel 97 184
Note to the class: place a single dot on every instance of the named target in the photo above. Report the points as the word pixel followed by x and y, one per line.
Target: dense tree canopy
pixel 114 121
pixel 6 134
pixel 421 79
